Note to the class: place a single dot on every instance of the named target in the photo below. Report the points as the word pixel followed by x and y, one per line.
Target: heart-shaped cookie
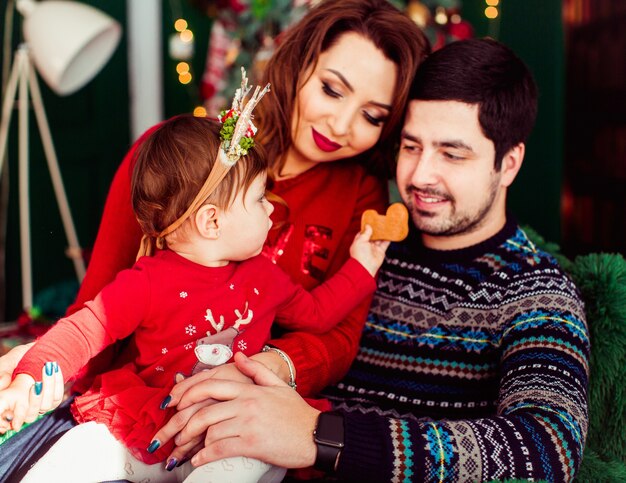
pixel 394 226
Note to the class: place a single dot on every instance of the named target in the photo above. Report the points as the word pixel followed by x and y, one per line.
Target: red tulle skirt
pixel 122 401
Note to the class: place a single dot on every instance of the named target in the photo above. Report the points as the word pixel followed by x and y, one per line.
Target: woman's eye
pixel 329 91
pixel 375 121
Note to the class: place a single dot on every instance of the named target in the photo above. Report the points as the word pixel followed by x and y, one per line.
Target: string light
pixel 186 36
pixel 181 48
pixel 441 17
pixel 180 25
pixel 199 111
pixel 491 11
pixel 185 78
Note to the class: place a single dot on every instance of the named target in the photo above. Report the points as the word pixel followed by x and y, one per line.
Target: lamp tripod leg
pixel 23 177
pixel 75 251
pixel 7 110
pixel 18 78
pixel 22 77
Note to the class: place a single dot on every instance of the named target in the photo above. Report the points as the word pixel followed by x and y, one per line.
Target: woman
pixel 340 80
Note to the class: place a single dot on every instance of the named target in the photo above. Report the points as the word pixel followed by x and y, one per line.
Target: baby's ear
pixel 207 221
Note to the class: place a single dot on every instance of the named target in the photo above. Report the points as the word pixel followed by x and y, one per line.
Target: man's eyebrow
pixel 351 89
pixel 409 137
pixel 455 144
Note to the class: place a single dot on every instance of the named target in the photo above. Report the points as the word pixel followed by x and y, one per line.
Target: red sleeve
pixel 118 238
pixel 323 359
pixel 321 309
pixel 114 314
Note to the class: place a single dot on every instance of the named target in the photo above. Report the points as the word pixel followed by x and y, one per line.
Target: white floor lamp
pixel 69 43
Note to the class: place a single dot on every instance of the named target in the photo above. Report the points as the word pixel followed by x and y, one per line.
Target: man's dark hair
pixel 487 73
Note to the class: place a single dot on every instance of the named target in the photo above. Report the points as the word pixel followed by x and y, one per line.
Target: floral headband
pixel 237 136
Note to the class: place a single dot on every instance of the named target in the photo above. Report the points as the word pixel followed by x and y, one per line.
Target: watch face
pixel 329 430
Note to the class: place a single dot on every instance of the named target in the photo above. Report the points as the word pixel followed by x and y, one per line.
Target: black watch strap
pixel 329 439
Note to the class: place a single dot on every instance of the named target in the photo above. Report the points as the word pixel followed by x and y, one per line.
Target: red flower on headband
pixel 228 115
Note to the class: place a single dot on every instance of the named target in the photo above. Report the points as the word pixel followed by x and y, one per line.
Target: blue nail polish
pixel 38 388
pixel 165 402
pixel 154 445
pixel 171 464
pixel 48 368
pixel 55 367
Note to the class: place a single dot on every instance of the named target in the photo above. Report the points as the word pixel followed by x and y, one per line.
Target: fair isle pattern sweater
pixel 473 366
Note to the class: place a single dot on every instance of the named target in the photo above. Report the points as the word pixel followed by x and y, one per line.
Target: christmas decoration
pixel 440 20
pixel 245 32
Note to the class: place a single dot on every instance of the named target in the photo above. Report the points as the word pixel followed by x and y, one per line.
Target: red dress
pixel 174 308
pixel 325 207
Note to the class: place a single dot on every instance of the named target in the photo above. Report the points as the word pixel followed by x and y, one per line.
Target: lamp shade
pixel 69 41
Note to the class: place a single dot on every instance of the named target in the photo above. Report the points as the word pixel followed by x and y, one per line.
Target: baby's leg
pixel 236 470
pixel 89 452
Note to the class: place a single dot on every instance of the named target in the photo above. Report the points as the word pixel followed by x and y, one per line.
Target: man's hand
pixel 268 421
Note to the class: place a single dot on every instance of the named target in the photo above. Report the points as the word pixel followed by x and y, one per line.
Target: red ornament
pixel 440 40
pixel 207 90
pixel 237 7
pixel 461 30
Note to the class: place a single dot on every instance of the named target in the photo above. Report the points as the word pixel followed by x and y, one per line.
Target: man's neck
pixel 473 237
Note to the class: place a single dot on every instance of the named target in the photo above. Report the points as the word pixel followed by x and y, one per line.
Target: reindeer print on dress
pixel 217 348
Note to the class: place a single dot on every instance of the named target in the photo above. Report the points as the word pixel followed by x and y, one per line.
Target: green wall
pixel 534 30
pixel 90 132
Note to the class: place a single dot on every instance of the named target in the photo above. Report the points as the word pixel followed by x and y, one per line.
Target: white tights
pixel 89 453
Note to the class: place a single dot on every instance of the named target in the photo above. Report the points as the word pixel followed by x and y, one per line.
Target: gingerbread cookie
pixel 394 226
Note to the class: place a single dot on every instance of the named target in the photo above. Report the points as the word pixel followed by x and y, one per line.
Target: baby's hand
pixel 14 403
pixel 370 254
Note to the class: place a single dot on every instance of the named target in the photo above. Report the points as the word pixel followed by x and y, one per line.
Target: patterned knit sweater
pixel 473 366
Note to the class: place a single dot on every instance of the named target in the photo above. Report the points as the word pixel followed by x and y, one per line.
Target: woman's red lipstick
pixel 324 143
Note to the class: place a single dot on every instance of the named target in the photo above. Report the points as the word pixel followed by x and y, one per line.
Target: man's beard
pixel 457 223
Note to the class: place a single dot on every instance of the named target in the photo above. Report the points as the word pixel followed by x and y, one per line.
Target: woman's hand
pixel 9 362
pixel 50 391
pixel 181 418
pixel 43 396
pixel 268 421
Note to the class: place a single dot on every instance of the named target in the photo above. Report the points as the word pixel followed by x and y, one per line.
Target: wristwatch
pixel 328 437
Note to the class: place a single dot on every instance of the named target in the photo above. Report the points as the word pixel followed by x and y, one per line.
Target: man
pixel 473 364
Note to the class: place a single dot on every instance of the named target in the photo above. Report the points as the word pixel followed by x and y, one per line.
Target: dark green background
pixel 90 130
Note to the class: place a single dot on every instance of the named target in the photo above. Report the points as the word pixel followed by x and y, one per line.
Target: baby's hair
pixel 173 163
